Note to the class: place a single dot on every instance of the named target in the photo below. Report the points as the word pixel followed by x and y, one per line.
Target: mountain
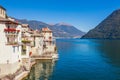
pixel 107 29
pixel 59 29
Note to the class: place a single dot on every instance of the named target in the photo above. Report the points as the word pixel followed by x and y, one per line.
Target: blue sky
pixel 83 14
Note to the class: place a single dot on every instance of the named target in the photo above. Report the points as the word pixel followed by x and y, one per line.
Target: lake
pixel 81 59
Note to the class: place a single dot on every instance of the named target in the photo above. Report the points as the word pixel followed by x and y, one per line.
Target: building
pixel 26 41
pixel 2 12
pixel 19 45
pixel 48 36
pixel 37 49
pixel 49 42
pixel 10 48
pixel 25 27
pixel 26 46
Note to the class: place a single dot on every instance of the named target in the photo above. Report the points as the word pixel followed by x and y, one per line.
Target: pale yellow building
pixel 2 12
pixel 48 35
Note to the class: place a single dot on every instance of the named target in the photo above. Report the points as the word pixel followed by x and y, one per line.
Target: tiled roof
pixel 8 21
pixel 25 25
pixel 46 29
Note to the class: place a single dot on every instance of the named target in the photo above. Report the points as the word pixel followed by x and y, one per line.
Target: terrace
pixel 9 32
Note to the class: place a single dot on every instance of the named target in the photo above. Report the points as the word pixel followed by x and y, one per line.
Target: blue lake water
pixel 81 59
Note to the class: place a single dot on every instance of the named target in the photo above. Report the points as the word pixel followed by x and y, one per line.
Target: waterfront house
pixel 48 36
pixel 26 41
pixel 49 43
pixel 37 49
pixel 26 46
pixel 10 44
pixel 20 45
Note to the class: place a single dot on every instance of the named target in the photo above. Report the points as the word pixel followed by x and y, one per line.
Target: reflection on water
pixel 81 59
pixel 110 49
pixel 42 70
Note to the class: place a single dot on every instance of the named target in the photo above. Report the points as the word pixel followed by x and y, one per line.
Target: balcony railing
pixel 12 43
pixel 11 30
pixel 49 40
pixel 11 34
pixel 26 41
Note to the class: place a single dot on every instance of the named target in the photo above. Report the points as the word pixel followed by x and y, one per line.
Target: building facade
pixel 10 48
pixel 2 12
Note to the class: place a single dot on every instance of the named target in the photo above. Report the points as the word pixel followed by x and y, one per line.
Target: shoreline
pixel 24 73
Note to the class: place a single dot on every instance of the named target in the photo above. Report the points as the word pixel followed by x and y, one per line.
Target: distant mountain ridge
pixel 107 29
pixel 59 29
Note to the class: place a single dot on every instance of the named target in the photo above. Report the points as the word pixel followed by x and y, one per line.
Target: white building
pixel 18 43
pixel 10 48
pixel 26 41
pixel 25 27
pixel 49 42
pixel 48 36
pixel 37 49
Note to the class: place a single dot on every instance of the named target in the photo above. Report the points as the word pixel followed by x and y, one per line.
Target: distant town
pixel 20 46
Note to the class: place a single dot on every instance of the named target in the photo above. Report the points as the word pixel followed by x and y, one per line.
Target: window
pixel 50 37
pixel 18 49
pixel 8 40
pixel 3 12
pixel 8 26
pixel 14 49
pixel 0 11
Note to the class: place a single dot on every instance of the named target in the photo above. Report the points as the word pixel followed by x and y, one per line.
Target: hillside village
pixel 20 46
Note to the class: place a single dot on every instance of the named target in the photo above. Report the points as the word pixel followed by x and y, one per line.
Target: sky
pixel 83 14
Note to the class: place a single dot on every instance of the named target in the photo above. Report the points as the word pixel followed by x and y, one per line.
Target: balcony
pixel 11 35
pixel 12 43
pixel 26 41
pixel 9 32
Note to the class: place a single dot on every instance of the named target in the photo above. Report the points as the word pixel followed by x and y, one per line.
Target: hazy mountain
pixel 108 28
pixel 59 29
